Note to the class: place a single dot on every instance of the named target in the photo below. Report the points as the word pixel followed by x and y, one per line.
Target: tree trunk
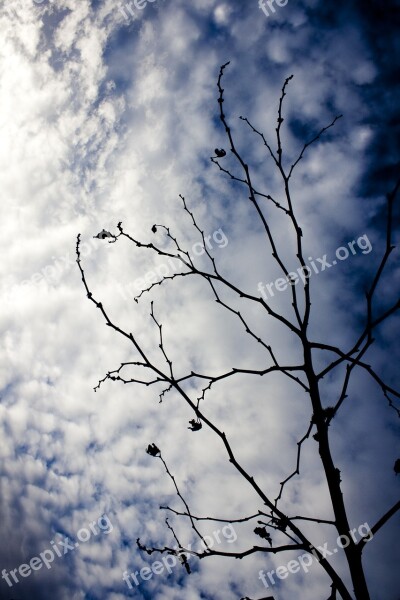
pixel 353 554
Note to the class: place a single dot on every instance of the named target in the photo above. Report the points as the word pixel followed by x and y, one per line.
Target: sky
pixel 107 117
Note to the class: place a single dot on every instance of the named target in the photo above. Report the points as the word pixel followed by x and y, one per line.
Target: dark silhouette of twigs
pixel 275 530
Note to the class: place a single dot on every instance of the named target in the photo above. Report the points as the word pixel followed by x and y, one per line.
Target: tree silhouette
pixel 277 531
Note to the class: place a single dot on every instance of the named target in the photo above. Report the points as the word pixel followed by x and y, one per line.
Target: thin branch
pixel 373 323
pixel 346 381
pixel 242 520
pixel 255 192
pixel 255 336
pixel 379 524
pixel 315 520
pixel 297 469
pixel 182 498
pixel 312 142
pixel 212 552
pixel 114 375
pixel 161 344
pixel 262 136
pixel 161 282
pixel 388 250
pixel 357 362
pixel 248 180
pixel 280 120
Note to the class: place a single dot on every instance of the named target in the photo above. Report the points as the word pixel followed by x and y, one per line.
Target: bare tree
pixel 277 530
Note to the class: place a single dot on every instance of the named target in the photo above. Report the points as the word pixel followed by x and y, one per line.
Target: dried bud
pixel 153 450
pixel 195 425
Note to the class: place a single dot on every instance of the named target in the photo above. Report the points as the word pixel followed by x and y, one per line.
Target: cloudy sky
pixel 107 114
